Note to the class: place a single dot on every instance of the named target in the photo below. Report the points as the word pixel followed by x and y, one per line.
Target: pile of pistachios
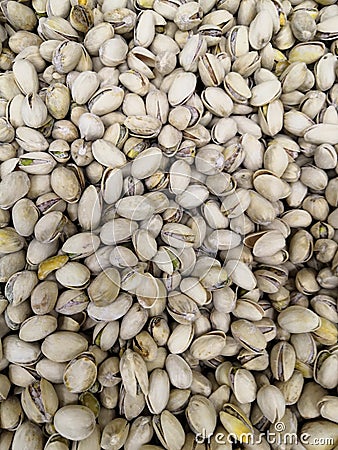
pixel 168 224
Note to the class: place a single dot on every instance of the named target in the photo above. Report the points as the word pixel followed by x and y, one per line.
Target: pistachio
pixel 68 415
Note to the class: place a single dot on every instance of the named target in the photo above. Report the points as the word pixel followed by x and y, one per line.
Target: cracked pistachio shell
pixel 80 373
pixel 248 335
pixel 308 403
pixel 327 28
pixel 14 113
pixel 292 389
pixel 28 435
pixel 169 430
pixel 7 132
pixel 105 288
pixel 5 387
pixel 115 434
pixel 219 103
pixel 36 163
pixel 237 88
pixel 56 442
pixel 111 186
pixel 107 154
pixel 133 322
pixel 65 184
pixel 91 128
pixel 20 16
pixel 81 18
pixel 194 289
pixel 195 47
pixel 122 257
pixel 143 126
pixel 261 30
pixel 282 361
pixel 105 100
pixel 20 352
pixel 265 92
pixel 37 328
pixel 179 177
pixel 55 27
pixel 43 297
pixel 57 8
pixel 62 346
pixel 84 86
pixel 58 100
pixel 324 430
pixel 13 187
pixel 81 245
pixel 73 275
pixel 96 36
pixel 270 186
pixel 265 243
pixel 241 274
pixel 90 209
pixel 209 160
pixel 141 431
pixel 10 240
pixel 182 308
pixel 145 245
pixel 208 346
pixel 148 290
pixel 182 88
pixel 75 422
pixel 66 56
pixel 194 196
pixel 260 210
pixel 326 364
pixel 271 402
pixel 31 140
pixel 24 216
pixel 223 240
pixel 235 421
pixel 323 133
pixel 113 52
pixel 243 384
pixel 135 207
pixel 297 218
pixel 26 76
pixel 113 311
pixel 146 163
pixel 117 230
pixel 8 86
pixel 329 408
pixel 135 82
pixel 201 415
pixel 133 371
pixel 159 390
pixel 301 247
pixel 39 401
pixel 180 339
pixel 11 413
